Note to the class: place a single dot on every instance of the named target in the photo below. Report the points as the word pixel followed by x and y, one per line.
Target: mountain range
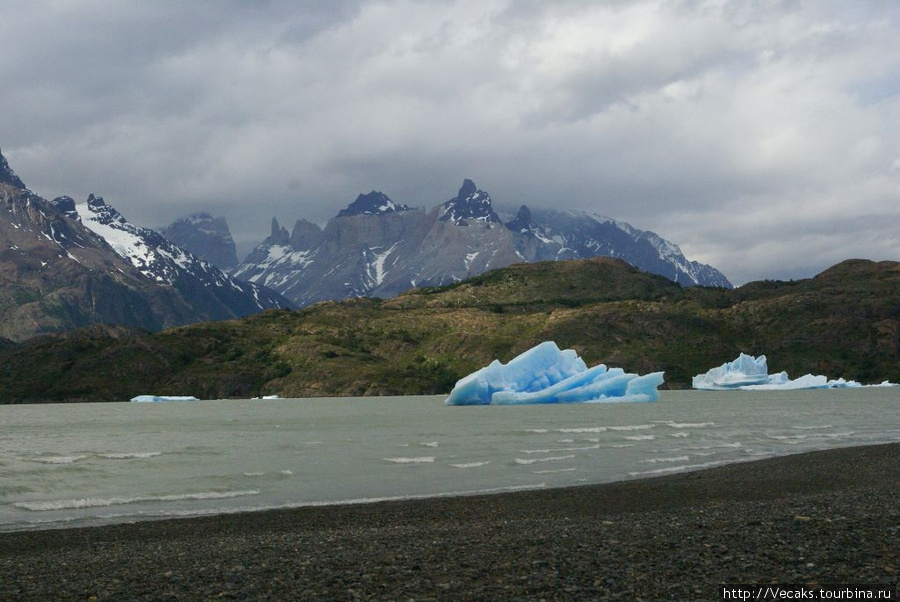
pixel 65 265
pixel 68 264
pixel 378 248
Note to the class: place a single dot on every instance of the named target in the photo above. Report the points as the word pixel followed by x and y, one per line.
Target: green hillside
pixel 844 322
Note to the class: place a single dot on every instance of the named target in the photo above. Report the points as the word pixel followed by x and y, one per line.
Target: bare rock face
pixel 378 248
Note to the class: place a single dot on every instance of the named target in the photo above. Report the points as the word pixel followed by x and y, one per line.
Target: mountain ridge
pixel 377 248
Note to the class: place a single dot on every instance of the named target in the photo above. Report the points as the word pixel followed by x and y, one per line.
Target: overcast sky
pixel 762 136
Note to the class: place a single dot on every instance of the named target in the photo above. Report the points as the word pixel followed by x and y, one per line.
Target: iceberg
pixel 151 398
pixel 750 373
pixel 746 370
pixel 545 374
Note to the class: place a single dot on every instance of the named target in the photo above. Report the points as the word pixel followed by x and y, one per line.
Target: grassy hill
pixel 844 322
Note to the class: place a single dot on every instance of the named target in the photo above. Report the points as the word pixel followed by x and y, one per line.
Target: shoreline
pixel 828 516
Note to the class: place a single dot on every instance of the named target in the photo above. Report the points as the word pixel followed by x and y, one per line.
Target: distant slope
pixel 844 322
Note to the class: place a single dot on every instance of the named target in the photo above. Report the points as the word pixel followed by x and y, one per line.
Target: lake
pixel 65 465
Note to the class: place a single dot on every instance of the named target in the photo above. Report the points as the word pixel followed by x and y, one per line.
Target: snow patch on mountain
pixel 166 263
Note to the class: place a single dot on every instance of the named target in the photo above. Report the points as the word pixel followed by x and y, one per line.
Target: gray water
pixel 86 464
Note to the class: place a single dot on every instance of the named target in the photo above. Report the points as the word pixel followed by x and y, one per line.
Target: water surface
pixel 86 464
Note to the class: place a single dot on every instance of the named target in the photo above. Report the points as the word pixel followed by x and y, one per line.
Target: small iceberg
pixel 544 374
pixel 745 371
pixel 749 373
pixel 152 398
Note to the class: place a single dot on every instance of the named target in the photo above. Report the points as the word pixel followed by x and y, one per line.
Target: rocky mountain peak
pixel 522 222
pixel 468 187
pixel 7 175
pixel 66 206
pixel 279 234
pixel 306 235
pixel 374 203
pixel 103 213
pixel 205 236
pixel 470 204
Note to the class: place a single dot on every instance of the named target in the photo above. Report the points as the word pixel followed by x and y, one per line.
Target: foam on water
pixel 471 464
pixel 59 459
pixel 130 455
pixel 548 459
pixel 119 501
pixel 582 429
pixel 674 459
pixel 558 449
pixel 683 468
pixel 419 460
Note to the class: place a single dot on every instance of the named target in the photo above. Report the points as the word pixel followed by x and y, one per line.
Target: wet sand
pixel 830 517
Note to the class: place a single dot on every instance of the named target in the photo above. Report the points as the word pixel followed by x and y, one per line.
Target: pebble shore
pixel 829 517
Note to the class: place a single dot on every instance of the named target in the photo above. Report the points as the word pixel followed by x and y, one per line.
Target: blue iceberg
pixel 749 373
pixel 744 371
pixel 544 374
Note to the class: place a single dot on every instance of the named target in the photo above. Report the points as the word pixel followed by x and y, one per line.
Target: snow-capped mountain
pixel 374 203
pixel 165 263
pixel 470 204
pixel 375 247
pixel 578 235
pixel 205 236
pixel 57 273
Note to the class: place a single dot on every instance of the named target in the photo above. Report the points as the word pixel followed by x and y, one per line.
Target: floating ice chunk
pixel 544 374
pixel 807 381
pixel 751 374
pixel 840 383
pixel 148 398
pixel 745 370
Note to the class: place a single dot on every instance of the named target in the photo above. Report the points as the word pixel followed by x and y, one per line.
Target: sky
pixel 762 136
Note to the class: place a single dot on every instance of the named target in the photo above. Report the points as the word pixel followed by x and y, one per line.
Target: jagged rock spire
pixel 469 204
pixel 279 235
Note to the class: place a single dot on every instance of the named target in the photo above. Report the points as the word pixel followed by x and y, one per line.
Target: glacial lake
pixel 64 465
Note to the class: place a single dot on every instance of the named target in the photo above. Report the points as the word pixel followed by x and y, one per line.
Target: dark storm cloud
pixel 761 136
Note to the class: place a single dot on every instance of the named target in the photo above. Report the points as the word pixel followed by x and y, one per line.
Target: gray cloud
pixel 763 137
